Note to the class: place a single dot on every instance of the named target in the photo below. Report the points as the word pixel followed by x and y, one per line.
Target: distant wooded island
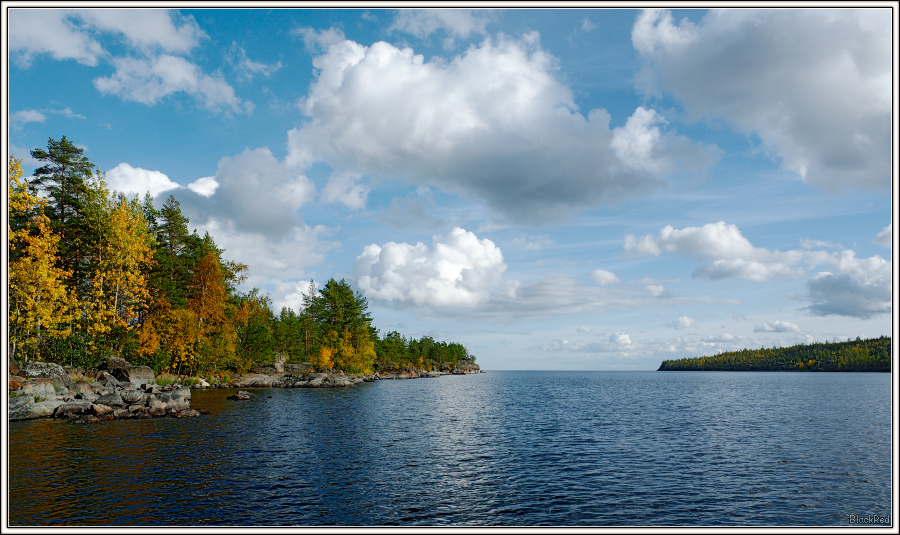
pixel 869 355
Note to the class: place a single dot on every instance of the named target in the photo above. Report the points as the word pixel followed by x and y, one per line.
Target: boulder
pixel 101 410
pixel 40 388
pixel 132 396
pixel 72 408
pixel 21 408
pixel 256 379
pixel 113 400
pixel 136 375
pixel 81 387
pixel 108 380
pixel 241 395
pixel 46 409
pixel 89 396
pixel 47 370
pixel 300 368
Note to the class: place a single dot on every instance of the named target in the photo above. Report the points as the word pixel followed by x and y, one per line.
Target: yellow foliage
pixel 39 303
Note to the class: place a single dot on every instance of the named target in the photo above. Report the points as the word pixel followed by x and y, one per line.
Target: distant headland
pixel 869 355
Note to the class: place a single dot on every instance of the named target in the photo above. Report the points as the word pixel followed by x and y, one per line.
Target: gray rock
pixel 81 387
pixel 89 396
pixel 108 380
pixel 73 408
pixel 46 409
pixel 256 379
pixel 40 388
pixel 100 410
pixel 113 400
pixel 177 404
pixel 21 408
pixel 47 370
pixel 132 396
pixel 155 403
pixel 141 375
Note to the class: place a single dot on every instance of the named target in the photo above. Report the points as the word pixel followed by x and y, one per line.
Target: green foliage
pixel 128 279
pixel 854 355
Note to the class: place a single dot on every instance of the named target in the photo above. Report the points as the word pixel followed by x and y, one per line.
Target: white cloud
pixel 256 192
pixel 147 30
pixel 683 322
pixel 344 187
pixel 26 116
pixel 857 287
pixel 603 277
pixel 271 260
pixel 146 73
pixel 886 237
pixel 316 40
pixel 814 85
pixel 455 22
pixel 494 123
pixel 34 32
pixel 778 326
pixel 134 180
pixel 657 290
pixel 248 69
pixel 149 80
pixel 731 254
pixel 204 186
pixel 621 340
pixel 459 270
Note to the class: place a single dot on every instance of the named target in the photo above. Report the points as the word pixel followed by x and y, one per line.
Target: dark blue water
pixel 495 449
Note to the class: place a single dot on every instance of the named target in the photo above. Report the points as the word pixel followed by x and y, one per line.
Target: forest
pixel 870 355
pixel 93 274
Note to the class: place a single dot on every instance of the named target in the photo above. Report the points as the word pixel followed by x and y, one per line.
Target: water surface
pixel 494 449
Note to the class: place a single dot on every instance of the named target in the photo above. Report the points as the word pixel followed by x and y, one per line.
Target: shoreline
pixel 120 391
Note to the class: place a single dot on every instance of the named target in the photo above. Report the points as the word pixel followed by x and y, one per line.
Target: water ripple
pixel 497 449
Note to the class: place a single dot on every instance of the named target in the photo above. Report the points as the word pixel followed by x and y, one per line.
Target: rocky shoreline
pixel 121 391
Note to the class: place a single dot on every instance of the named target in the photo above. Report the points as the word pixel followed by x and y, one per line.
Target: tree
pixel 65 179
pixel 118 287
pixel 40 305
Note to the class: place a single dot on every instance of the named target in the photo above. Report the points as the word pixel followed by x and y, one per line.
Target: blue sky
pixel 585 189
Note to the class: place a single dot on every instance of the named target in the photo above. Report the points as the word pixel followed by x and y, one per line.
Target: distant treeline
pixel 94 274
pixel 870 355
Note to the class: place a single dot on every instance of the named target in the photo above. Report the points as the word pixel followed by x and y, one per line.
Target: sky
pixel 556 189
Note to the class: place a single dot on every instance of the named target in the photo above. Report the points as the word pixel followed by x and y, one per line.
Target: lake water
pixel 575 449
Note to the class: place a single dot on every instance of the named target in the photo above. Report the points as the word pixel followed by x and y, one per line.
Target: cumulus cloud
pixel 204 186
pixel 814 85
pixel 683 322
pixel 603 277
pixel 886 237
pixel 731 254
pixel 458 270
pixel 617 342
pixel 494 123
pixel 271 260
pixel 857 287
pixel 658 291
pixel 134 180
pixel 255 191
pixel 344 187
pixel 778 326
